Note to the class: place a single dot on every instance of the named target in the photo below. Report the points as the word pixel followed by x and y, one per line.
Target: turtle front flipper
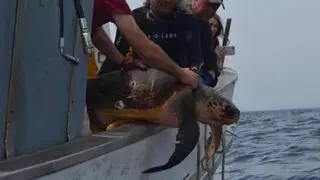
pixel 187 137
pixel 214 142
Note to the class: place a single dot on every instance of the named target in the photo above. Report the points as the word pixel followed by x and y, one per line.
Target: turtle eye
pixel 214 104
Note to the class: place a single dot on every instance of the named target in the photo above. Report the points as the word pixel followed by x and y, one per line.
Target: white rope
pixel 223 156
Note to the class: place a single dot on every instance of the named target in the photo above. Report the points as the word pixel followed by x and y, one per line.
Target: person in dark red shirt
pixel 118 12
pixel 104 10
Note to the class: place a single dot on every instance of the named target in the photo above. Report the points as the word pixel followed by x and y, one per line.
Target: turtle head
pixel 212 106
pixel 223 111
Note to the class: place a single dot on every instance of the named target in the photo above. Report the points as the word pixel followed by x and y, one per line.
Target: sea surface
pixel 276 145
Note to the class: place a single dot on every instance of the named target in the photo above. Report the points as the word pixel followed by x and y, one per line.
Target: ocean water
pixel 276 145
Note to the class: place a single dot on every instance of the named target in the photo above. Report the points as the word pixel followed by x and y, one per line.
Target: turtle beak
pixel 231 115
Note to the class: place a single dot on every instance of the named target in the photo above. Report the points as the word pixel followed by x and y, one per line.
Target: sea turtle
pixel 158 97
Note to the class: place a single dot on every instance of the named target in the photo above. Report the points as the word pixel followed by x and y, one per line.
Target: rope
pixel 204 163
pixel 8 139
pixel 223 157
pixel 72 87
pixel 198 160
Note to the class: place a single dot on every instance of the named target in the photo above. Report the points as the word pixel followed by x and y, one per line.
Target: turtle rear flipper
pixel 214 142
pixel 187 137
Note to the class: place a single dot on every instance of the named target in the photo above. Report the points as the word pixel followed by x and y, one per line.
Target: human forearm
pixel 104 44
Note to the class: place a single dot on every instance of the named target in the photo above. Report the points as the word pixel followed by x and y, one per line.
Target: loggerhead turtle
pixel 158 97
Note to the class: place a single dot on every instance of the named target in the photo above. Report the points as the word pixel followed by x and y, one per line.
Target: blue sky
pixel 278 52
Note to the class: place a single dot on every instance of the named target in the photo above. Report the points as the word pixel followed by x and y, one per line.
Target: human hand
pixel 189 77
pixel 225 51
pixel 220 52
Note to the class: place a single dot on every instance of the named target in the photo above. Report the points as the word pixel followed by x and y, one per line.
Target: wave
pixel 276 145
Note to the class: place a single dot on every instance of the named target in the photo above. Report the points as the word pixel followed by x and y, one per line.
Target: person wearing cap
pixel 118 12
pixel 179 34
pixel 204 10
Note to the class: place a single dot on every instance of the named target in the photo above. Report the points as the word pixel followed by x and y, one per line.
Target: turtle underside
pixel 126 94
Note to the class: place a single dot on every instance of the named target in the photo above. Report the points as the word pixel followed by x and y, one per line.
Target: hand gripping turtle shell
pixel 158 97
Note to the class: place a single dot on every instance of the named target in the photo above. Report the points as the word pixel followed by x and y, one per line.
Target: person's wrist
pixel 180 74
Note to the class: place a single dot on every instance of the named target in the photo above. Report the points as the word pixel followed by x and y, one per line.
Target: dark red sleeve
pixel 103 10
